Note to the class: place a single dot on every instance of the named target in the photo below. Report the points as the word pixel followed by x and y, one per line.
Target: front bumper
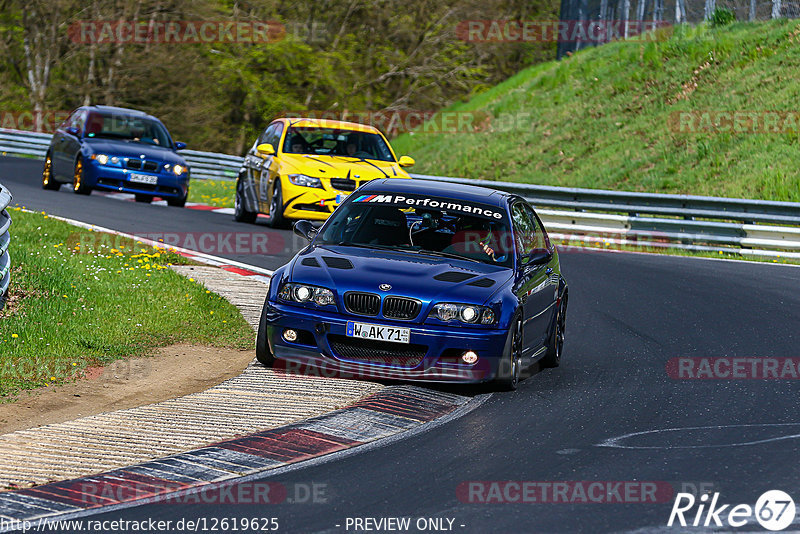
pixel 431 355
pixel 311 203
pixel 118 179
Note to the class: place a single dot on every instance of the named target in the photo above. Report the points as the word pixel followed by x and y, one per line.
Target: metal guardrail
pixel 749 227
pixel 203 165
pixel 648 220
pixel 5 241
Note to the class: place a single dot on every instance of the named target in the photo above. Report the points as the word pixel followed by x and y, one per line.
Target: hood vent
pixel 453 276
pixel 482 282
pixel 337 263
pixel 310 262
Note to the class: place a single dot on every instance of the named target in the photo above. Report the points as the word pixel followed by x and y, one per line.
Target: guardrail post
pixel 5 241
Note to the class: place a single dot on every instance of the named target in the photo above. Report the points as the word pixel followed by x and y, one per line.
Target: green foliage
pixel 722 17
pixel 335 55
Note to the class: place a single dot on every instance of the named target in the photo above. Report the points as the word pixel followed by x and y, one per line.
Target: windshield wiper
pixel 365 245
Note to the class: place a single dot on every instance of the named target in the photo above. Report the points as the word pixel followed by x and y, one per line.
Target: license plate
pixel 378 332
pixel 142 178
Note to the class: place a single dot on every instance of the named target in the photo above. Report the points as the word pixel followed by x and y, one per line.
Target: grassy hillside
pixel 600 118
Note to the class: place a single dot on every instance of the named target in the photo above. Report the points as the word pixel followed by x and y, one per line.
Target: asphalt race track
pixel 629 314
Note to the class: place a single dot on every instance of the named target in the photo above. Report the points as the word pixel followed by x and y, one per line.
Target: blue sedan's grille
pixel 362 303
pixel 138 164
pixel 401 308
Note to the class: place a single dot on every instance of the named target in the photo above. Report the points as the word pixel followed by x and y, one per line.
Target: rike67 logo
pixel 774 510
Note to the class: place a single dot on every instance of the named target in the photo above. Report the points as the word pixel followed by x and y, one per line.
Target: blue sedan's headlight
pixel 102 159
pixel 305 181
pixel 465 313
pixel 306 294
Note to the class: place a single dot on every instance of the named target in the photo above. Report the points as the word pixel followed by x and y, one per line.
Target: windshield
pixel 128 128
pixel 336 142
pixel 422 225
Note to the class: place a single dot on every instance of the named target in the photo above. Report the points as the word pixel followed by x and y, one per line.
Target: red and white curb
pixel 390 412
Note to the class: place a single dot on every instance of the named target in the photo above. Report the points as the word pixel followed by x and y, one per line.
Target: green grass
pixel 213 192
pixel 81 298
pixel 600 118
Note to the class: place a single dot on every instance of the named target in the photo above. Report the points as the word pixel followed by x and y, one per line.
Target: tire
pixel 510 368
pixel 239 213
pixel 146 199
pixel 177 202
pixel 276 219
pixel 263 353
pixel 555 345
pixel 48 181
pixel 79 187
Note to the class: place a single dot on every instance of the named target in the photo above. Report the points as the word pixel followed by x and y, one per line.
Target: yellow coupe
pixel 303 168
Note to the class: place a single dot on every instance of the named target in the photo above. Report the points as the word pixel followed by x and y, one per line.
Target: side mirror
pixel 72 131
pixel 265 149
pixel 540 256
pixel 179 145
pixel 305 229
pixel 406 161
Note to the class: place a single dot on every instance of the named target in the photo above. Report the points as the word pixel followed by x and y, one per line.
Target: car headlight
pixel 102 159
pixel 303 293
pixel 179 169
pixel 465 313
pixel 305 181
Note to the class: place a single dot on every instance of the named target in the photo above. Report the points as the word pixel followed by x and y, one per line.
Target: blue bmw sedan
pixel 117 149
pixel 418 280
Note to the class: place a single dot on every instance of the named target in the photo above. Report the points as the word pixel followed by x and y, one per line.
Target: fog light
pixel 291 335
pixel 469 357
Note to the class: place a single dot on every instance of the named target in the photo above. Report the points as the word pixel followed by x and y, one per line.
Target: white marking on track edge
pixel 200 257
pixel 615 442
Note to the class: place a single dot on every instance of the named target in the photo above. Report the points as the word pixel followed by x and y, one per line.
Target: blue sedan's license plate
pixel 143 178
pixel 378 332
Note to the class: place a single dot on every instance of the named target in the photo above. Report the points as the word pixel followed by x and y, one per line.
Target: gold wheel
pixel 77 176
pixel 47 175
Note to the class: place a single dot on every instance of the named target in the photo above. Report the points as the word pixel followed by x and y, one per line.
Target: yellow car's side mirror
pixel 265 149
pixel 406 161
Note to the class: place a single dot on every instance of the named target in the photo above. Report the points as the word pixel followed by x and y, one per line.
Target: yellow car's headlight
pixel 305 181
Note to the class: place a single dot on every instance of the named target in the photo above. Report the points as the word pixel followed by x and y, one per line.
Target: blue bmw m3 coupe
pixel 419 280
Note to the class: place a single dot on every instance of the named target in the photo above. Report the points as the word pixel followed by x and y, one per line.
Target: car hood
pixel 341 167
pixel 133 150
pixel 427 278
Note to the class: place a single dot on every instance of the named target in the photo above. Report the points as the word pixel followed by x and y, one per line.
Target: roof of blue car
pixel 418 186
pixel 114 109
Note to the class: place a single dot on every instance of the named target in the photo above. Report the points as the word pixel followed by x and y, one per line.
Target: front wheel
pixel 48 182
pixel 177 202
pixel 263 353
pixel 510 368
pixel 79 186
pixel 240 214
pixel 276 219
pixel 556 342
